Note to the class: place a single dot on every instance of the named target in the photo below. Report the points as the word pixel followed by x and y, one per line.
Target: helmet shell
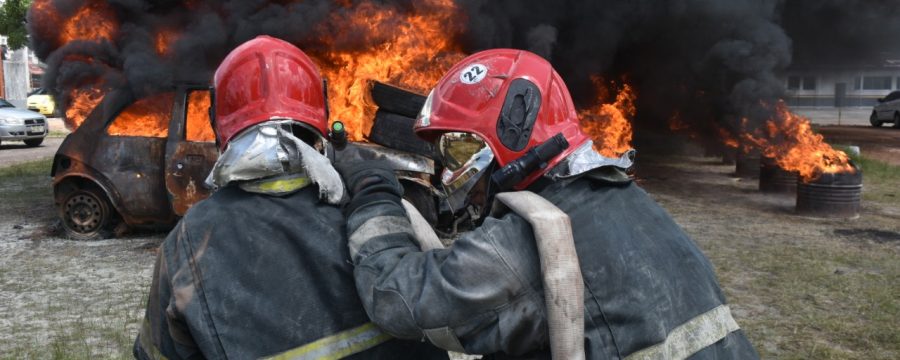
pixel 267 78
pixel 513 99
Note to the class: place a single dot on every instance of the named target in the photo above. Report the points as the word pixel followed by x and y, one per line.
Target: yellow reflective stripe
pixel 284 185
pixel 692 336
pixel 147 342
pixel 339 345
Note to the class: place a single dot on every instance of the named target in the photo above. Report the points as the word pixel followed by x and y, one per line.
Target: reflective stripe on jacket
pixel 246 276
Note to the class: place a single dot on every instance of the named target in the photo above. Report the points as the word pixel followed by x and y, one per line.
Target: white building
pixel 840 86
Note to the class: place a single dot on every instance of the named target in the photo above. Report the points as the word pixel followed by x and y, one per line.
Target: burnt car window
pixel 198 126
pixel 893 96
pixel 147 117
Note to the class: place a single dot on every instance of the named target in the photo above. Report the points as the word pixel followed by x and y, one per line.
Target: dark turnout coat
pixel 246 275
pixel 649 292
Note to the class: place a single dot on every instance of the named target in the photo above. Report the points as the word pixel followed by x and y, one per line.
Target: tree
pixel 12 22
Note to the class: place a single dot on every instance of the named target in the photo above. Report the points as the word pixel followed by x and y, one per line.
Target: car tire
pixel 873 119
pixel 34 142
pixel 397 100
pixel 896 120
pixel 87 215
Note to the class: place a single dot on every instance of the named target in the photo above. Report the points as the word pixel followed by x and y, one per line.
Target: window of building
pixel 877 83
pixel 793 83
pixel 857 83
pixel 809 83
pixel 898 83
pixel 198 126
pixel 147 117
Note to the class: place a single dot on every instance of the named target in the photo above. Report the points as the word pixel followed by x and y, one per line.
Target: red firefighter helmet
pixel 512 99
pixel 267 78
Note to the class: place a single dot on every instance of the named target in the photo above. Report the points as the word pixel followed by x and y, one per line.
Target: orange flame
pixel 726 138
pixel 146 117
pixel 676 124
pixel 164 40
pixel 198 126
pixel 94 21
pixel 418 50
pixel 790 140
pixel 609 125
pixel 81 103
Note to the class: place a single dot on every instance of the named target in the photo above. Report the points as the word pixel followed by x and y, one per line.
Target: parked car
pixel 887 111
pixel 21 125
pixel 41 101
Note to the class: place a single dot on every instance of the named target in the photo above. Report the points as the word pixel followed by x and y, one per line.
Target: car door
pixel 191 149
pixel 890 105
pixel 129 155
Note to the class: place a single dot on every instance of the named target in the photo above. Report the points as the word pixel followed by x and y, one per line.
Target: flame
pixel 81 103
pixel 146 117
pixel 94 21
pixel 416 52
pixel 676 124
pixel 790 140
pixel 164 40
pixel 609 125
pixel 727 138
pixel 198 126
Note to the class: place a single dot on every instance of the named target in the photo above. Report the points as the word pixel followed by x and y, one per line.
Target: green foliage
pixel 12 22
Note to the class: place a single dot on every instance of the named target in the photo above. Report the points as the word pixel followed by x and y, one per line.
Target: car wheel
pixel 87 215
pixel 397 100
pixel 874 120
pixel 34 142
pixel 896 120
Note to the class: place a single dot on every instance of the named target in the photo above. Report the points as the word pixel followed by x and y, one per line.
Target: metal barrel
pixel 774 179
pixel 747 165
pixel 831 196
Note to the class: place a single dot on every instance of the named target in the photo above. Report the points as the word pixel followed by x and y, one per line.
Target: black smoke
pixel 708 62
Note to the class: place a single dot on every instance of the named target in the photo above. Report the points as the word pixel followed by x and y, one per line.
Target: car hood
pixel 13 113
pixel 39 98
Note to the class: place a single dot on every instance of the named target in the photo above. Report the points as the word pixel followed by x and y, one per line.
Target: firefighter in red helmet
pixel 503 120
pixel 261 267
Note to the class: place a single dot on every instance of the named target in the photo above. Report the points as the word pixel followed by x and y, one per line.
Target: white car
pixel 887 110
pixel 21 125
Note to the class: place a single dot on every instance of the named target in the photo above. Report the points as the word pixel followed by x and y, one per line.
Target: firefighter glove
pixel 369 181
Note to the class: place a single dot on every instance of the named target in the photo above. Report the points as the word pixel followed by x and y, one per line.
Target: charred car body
pixel 144 162
pixel 132 163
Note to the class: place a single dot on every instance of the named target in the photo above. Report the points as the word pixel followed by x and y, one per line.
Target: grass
pixel 881 181
pixel 24 185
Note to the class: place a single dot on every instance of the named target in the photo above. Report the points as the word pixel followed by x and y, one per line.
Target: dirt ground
pixel 800 287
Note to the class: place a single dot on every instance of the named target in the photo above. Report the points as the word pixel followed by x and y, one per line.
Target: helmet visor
pixel 457 148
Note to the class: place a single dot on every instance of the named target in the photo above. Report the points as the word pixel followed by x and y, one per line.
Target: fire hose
pixel 563 284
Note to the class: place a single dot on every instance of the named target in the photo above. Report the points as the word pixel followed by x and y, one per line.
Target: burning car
pixel 144 162
pixel 134 162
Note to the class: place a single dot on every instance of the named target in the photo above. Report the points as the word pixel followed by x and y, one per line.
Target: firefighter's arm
pixel 164 334
pixel 468 298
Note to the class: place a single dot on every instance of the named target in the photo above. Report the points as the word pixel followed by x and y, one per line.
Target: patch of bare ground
pixel 59 298
pixel 801 288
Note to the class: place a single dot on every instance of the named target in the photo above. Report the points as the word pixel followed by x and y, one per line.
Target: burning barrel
pixel 831 195
pixel 774 179
pixel 747 164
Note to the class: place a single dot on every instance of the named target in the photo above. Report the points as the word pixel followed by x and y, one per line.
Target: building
pixel 847 85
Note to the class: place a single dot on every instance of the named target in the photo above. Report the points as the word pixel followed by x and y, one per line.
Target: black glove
pixel 369 181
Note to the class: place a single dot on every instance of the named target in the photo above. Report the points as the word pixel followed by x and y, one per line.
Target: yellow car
pixel 41 101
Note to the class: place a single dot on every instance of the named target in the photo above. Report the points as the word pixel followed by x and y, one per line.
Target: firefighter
pixel 261 267
pixel 648 292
